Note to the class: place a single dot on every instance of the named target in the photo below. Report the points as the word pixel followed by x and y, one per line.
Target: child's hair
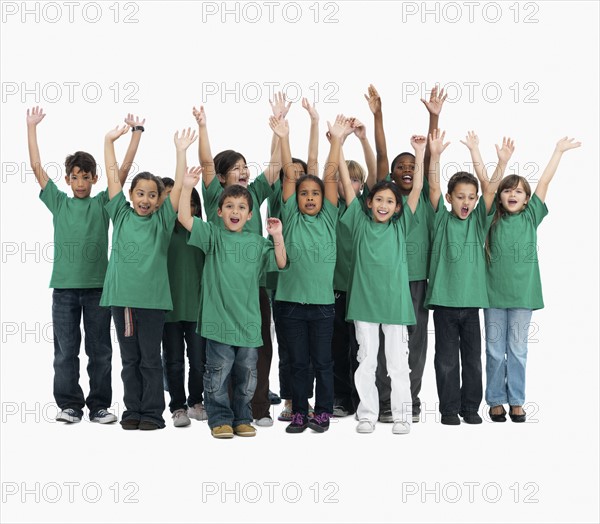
pixel 382 186
pixel 225 160
pixel 356 171
pixel 197 203
pixel 84 161
pixel 397 159
pixel 236 191
pixel 168 182
pixel 294 161
pixel 462 177
pixel 313 178
pixel 145 175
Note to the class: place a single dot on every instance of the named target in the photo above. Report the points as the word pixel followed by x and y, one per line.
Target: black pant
pixel 344 359
pixel 261 405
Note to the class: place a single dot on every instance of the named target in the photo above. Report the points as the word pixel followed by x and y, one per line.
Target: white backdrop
pixel 522 69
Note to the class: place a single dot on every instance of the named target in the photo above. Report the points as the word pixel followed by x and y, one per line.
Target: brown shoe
pixel 245 430
pixel 224 431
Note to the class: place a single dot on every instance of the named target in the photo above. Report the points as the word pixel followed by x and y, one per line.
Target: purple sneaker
pixel 320 422
pixel 298 425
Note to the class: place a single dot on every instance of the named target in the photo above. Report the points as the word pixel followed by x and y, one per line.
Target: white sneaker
pixel 265 422
pixel 103 416
pixel 365 426
pixel 401 428
pixel 181 419
pixel 68 415
pixel 197 412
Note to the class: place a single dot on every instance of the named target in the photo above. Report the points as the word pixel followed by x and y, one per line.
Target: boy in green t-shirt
pixel 80 262
pixel 231 319
pixel 457 287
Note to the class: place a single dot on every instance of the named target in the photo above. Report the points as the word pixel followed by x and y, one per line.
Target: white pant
pixel 396 354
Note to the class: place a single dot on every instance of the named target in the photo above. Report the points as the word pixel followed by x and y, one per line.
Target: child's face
pixel 403 173
pixel 164 195
pixel 235 212
pixel 463 199
pixel 383 204
pixel 357 185
pixel 144 197
pixel 81 182
pixel 309 197
pixel 238 174
pixel 514 199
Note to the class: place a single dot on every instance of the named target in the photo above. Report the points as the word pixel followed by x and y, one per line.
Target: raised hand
pixel 184 141
pixel 279 126
pixel 191 177
pixel 506 151
pixel 133 121
pixel 374 99
pixel 199 115
pixel 117 132
pixel 279 106
pixel 341 127
pixel 312 110
pixel 436 101
pixel 418 142
pixel 436 142
pixel 471 140
pixel 566 143
pixel 274 226
pixel 359 129
pixel 35 116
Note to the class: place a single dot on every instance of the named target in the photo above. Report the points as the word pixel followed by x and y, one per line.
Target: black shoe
pixel 498 417
pixel 274 398
pixel 298 425
pixel 450 420
pixel 319 423
pixel 471 417
pixel 385 414
pixel 517 418
pixel 130 423
pixel 148 425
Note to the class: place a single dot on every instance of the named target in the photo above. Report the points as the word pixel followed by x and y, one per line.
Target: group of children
pixel 367 257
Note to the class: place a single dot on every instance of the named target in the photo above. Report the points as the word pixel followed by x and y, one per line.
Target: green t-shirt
pixel 233 263
pixel 457 269
pixel 80 238
pixel 418 241
pixel 137 274
pixel 378 259
pixel 185 265
pixel 513 273
pixel 310 246
pixel 259 189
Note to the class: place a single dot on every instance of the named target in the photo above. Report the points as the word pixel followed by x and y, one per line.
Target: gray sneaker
pixel 197 412
pixel 181 419
pixel 68 415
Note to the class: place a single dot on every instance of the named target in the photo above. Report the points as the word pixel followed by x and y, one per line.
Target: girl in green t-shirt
pixel 514 286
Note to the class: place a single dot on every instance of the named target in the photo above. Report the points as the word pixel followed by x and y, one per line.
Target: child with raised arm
pixel 379 257
pixel 514 286
pixel 229 168
pixel 231 319
pixel 457 287
pixel 136 285
pixel 81 244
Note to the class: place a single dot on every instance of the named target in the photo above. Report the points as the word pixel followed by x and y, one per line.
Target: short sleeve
pixel 52 197
pixel 210 196
pixel 202 235
pixel 536 209
pixel 116 206
pixel 261 188
pixel 167 214
pixel 353 214
pixel 484 219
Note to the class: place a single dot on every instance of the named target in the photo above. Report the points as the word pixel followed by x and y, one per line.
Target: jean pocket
pixel 286 309
pixel 212 378
pixel 327 311
pixel 252 382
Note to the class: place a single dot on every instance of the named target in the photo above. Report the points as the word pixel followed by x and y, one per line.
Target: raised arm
pixel 313 141
pixel 340 129
pixel 374 101
pixel 504 154
pixel 280 108
pixel 187 138
pixel 437 147
pixel 472 143
pixel 361 133
pixel 349 194
pixel 204 153
pixel 564 144
pixel 434 107
pixel 137 128
pixel 34 117
pixel 418 142
pixel 280 127
pixel 110 160
pixel 275 229
pixel 190 179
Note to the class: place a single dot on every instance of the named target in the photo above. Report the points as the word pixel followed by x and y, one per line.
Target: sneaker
pixel 103 416
pixel 298 425
pixel 471 417
pixel 365 426
pixel 450 420
pixel 385 415
pixel 286 414
pixel 416 417
pixel 148 425
pixel 68 415
pixel 180 418
pixel 401 428
pixel 224 431
pixel 264 422
pixel 274 398
pixel 245 430
pixel 340 411
pixel 319 423
pixel 130 423
pixel 197 412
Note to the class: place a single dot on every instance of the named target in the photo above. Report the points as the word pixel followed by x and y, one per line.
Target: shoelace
pixel 298 419
pixel 322 417
pixel 101 413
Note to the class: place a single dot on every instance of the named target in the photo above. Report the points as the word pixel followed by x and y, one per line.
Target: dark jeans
pixel 179 337
pixel 261 405
pixel 417 350
pixel 142 371
pixel 344 359
pixel 457 332
pixel 307 330
pixel 67 308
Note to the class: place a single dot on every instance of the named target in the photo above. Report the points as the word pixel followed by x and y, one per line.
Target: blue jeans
pixel 457 344
pixel 222 362
pixel 142 371
pixel 67 308
pixel 307 330
pixel 179 337
pixel 506 333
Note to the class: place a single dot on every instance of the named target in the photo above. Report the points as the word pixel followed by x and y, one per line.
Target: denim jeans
pixel 222 363
pixel 67 308
pixel 457 341
pixel 506 332
pixel 142 372
pixel 307 330
pixel 179 338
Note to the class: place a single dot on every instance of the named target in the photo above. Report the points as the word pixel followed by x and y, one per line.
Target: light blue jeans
pixel 506 332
